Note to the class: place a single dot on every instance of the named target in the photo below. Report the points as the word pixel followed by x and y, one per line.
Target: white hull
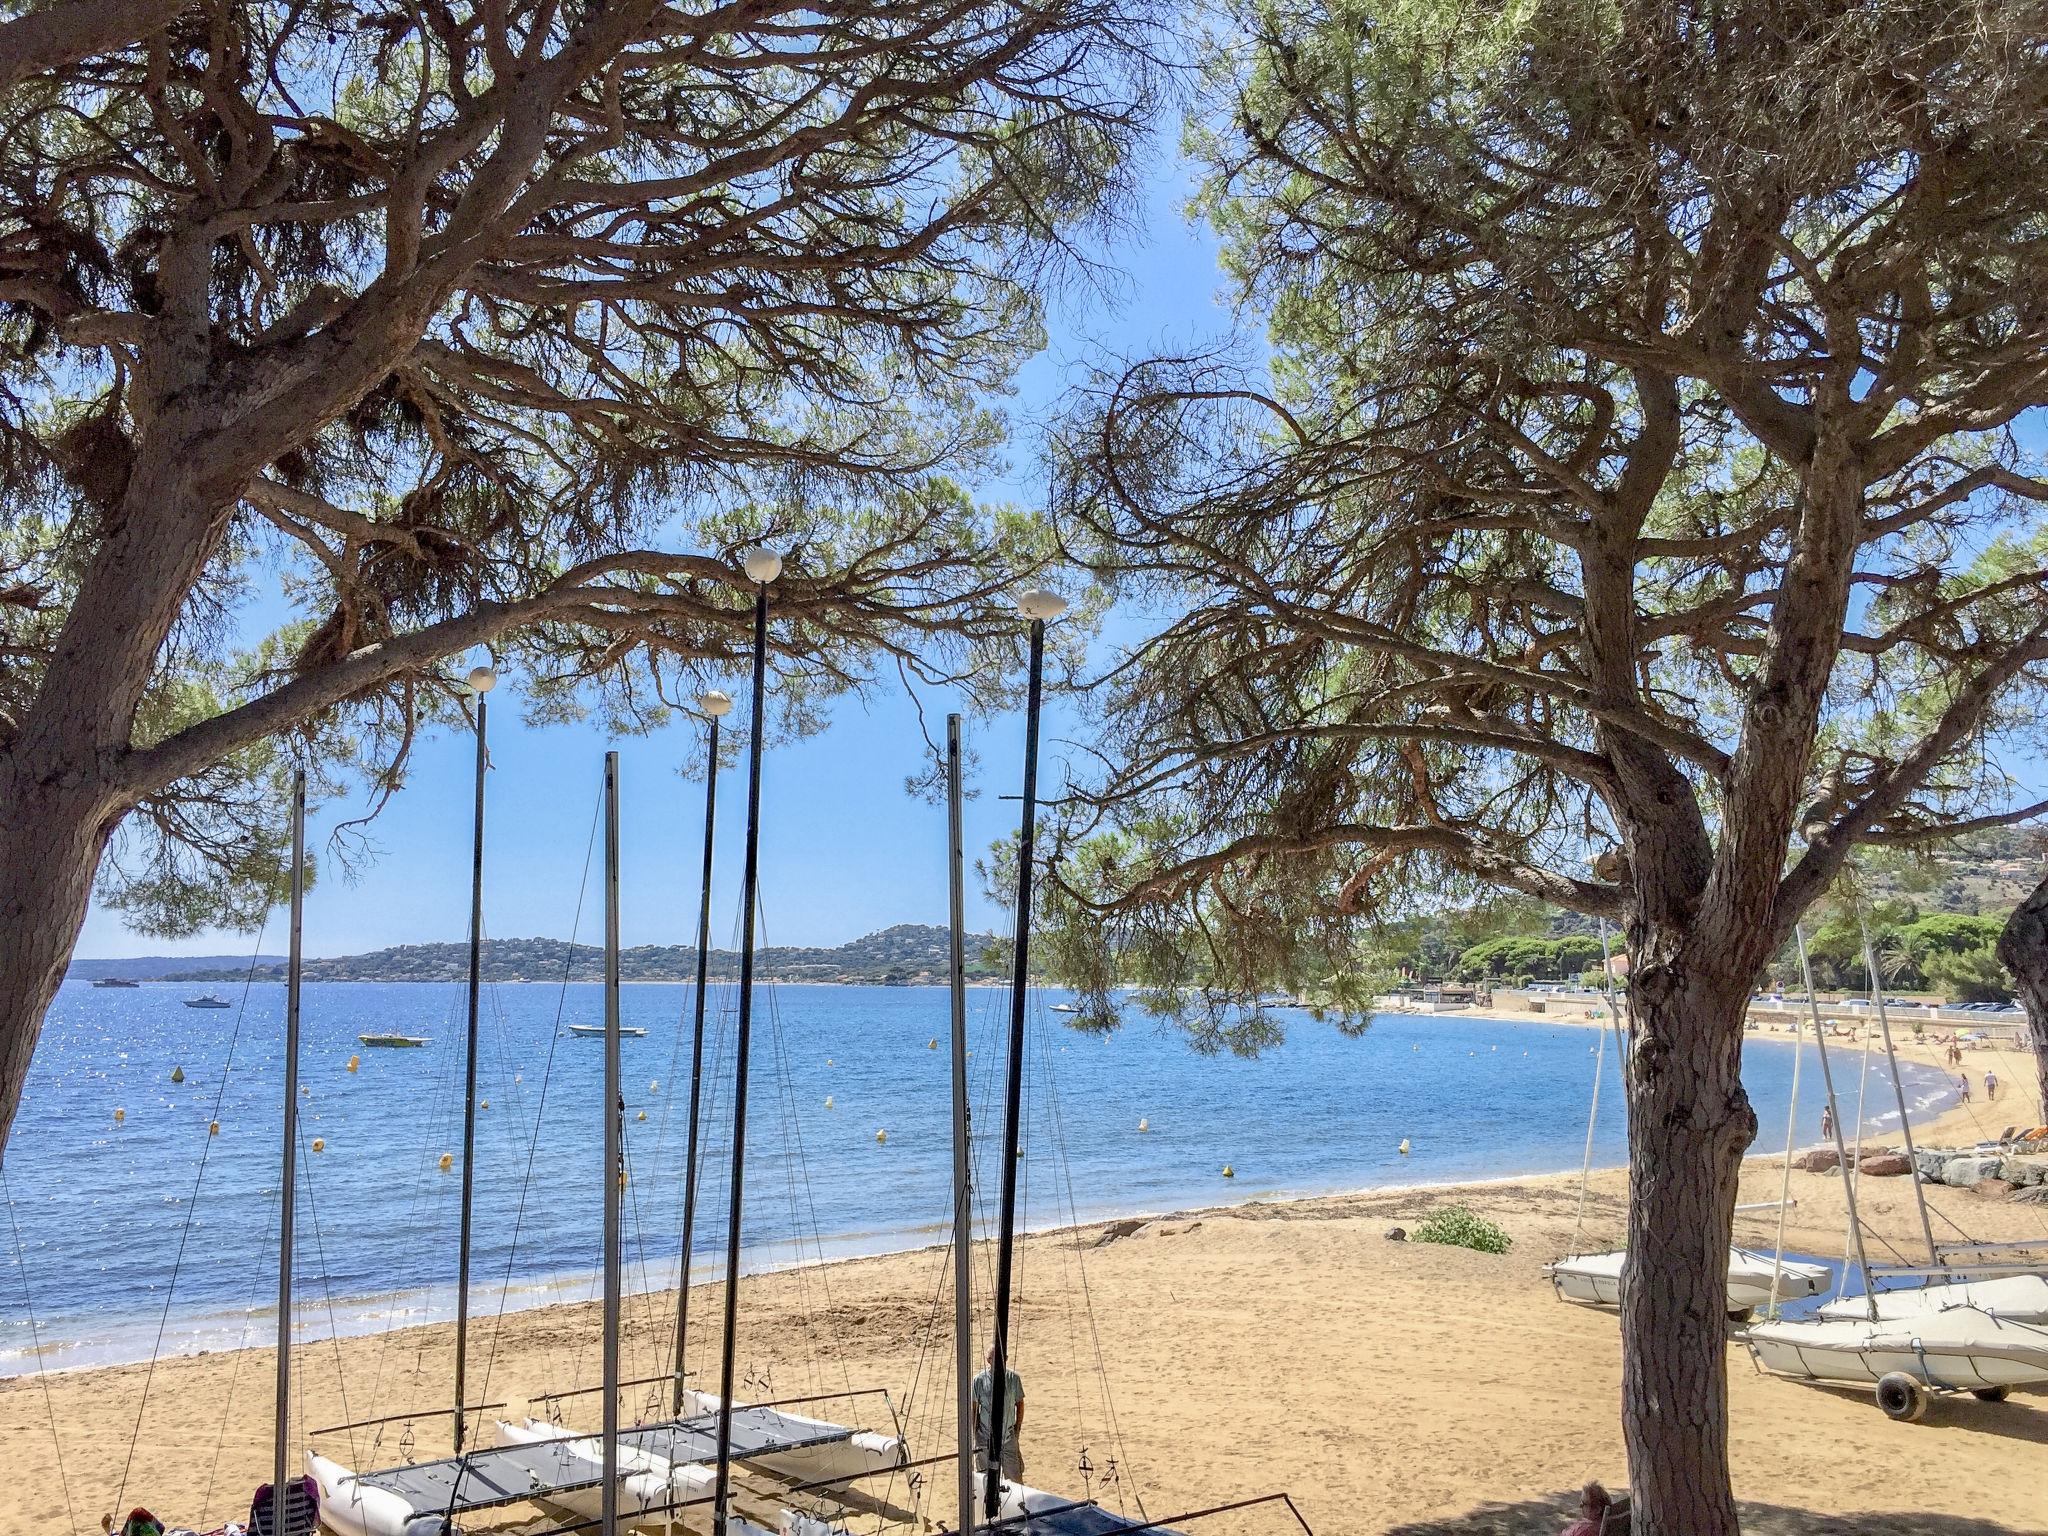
pixel 2015 1298
pixel 1960 1349
pixel 350 1509
pixel 1594 1279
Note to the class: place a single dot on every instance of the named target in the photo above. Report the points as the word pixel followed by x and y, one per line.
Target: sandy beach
pixel 1387 1386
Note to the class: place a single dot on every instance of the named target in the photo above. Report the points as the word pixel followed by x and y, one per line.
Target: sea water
pixel 156 1232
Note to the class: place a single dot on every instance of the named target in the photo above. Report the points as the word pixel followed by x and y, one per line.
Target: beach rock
pixel 1397 1234
pixel 1821 1160
pixel 1964 1172
pixel 2023 1172
pixel 1933 1163
pixel 1992 1189
pixel 1884 1165
pixel 2036 1195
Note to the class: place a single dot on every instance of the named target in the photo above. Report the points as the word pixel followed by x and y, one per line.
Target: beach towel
pixel 141 1522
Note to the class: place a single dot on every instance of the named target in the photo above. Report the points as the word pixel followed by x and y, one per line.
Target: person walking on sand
pixel 1012 1421
pixel 1990 1085
pixel 1964 1079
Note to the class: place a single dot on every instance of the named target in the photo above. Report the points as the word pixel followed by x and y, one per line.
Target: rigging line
pixel 541 1102
pixel 191 1210
pixel 234 1372
pixel 326 1290
pixel 35 1345
pixel 1064 1169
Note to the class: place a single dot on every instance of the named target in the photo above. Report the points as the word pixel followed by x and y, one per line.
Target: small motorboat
pixel 1594 1279
pixel 208 1001
pixel 1065 1008
pixel 596 1031
pixel 394 1042
pixel 1959 1349
pixel 2015 1298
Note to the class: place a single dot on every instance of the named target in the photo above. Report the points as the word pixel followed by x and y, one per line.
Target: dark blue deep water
pixel 102 1208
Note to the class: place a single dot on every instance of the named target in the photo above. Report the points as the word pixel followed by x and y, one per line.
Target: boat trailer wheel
pixel 1901 1397
pixel 1991 1394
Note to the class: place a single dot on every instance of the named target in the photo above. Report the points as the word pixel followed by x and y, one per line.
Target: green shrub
pixel 1461 1228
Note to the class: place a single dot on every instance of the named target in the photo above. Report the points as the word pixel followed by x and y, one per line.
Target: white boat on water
pixel 1961 1349
pixel 1594 1279
pixel 2014 1298
pixel 596 1031
pixel 394 1042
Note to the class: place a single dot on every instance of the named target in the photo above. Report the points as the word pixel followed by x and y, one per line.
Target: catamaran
pixel 2011 1298
pixel 1754 1279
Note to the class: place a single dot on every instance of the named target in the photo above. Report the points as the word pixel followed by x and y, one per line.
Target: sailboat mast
pixel 714 703
pixel 763 566
pixel 1827 1076
pixel 480 682
pixel 963 1205
pixel 1884 1025
pixel 288 1189
pixel 1038 607
pixel 614 1166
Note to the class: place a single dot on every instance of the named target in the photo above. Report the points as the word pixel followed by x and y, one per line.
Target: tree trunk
pixel 1689 1122
pixel 51 839
pixel 2023 950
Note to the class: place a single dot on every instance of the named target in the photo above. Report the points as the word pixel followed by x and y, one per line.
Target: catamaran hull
pixel 2016 1298
pixel 1962 1350
pixel 862 1453
pixel 1594 1279
pixel 349 1508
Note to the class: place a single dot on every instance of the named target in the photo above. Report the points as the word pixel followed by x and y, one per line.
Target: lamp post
pixel 762 567
pixel 1038 607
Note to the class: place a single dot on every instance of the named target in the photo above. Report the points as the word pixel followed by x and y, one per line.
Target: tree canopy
pixel 1626 505
pixel 387 333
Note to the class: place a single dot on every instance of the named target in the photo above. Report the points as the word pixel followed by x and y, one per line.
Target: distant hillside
pixel 165 967
pixel 908 953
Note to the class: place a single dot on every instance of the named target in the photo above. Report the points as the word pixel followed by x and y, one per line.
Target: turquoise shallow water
pixel 102 1208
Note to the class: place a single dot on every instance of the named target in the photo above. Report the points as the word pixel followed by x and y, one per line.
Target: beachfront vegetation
pixel 1460 1226
pixel 1622 506
pixel 413 330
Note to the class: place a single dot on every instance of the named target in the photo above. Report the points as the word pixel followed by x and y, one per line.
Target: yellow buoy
pixel 213 1127
pixel 177 1074
pixel 120 1115
pixel 1403 1148
pixel 447 1161
pixel 881 1136
pixel 354 1062
pixel 1144 1125
pixel 319 1145
pixel 485 1104
pixel 828 1061
pixel 1229 1172
pixel 643 1114
pixel 932 1044
pixel 828 1101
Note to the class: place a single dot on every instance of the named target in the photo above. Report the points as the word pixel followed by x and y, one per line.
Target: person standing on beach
pixel 1990 1085
pixel 1964 1079
pixel 1012 1421
pixel 1827 1122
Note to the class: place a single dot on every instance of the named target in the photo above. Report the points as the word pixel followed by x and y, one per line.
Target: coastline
pixel 1393 1382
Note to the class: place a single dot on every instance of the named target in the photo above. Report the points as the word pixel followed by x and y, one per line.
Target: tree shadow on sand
pixel 1547 1517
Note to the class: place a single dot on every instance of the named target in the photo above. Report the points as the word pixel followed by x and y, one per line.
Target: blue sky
pixel 844 849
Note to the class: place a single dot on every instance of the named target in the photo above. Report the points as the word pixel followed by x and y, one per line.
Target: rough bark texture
pixel 1689 1121
pixel 2023 950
